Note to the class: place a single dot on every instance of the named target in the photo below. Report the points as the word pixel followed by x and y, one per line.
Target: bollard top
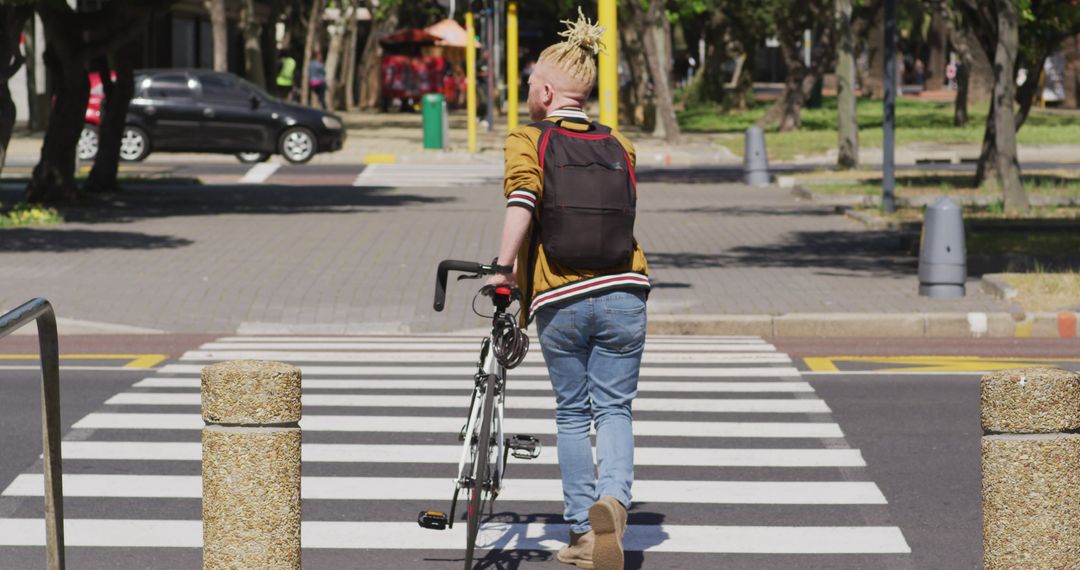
pixel 251 392
pixel 944 203
pixel 1030 400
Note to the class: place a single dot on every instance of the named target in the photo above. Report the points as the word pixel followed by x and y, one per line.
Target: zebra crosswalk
pixel 737 461
pixel 430 175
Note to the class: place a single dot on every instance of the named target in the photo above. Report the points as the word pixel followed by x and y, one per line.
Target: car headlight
pixel 332 123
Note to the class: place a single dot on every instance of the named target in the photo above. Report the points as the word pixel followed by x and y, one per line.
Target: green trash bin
pixel 432 110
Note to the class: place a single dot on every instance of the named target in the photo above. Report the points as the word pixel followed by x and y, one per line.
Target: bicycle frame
pixel 490 375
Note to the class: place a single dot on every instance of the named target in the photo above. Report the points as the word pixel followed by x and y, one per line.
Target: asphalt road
pixel 918 435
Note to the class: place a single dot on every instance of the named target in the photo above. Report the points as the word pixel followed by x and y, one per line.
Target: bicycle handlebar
pixel 448 265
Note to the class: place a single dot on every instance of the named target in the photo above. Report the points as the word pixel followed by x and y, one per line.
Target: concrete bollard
pixel 251 465
pixel 942 251
pixel 1031 468
pixel 755 158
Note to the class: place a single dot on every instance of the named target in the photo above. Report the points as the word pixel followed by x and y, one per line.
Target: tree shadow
pixel 61 240
pixel 710 174
pixel 747 211
pixel 824 252
pixel 162 200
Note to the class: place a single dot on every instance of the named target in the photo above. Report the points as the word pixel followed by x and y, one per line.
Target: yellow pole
pixel 512 79
pixel 609 64
pixel 470 80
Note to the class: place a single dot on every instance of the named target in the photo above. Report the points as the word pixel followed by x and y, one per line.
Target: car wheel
pixel 134 144
pixel 88 143
pixel 297 145
pixel 252 157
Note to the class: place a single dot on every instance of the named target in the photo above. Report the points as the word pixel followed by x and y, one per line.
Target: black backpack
pixel 589 200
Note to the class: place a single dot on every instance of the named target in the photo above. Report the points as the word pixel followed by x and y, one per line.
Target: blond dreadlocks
pixel 575 55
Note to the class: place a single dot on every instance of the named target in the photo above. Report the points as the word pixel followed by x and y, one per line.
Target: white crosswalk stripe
pixel 726 422
pixel 429 175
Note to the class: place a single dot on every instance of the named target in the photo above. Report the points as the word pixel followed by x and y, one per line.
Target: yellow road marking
pixel 931 363
pixel 376 158
pixel 136 360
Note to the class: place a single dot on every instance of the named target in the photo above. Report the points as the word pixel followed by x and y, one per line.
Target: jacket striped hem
pixel 586 286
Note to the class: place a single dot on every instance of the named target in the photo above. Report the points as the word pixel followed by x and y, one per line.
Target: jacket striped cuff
pixel 523 198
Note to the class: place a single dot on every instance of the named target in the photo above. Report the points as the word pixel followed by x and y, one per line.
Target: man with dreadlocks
pixel 568 234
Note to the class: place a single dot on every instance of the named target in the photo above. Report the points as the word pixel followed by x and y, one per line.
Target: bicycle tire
pixel 481 464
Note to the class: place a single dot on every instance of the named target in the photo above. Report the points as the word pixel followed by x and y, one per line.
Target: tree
pixel 792 17
pixel 384 19
pixel 732 30
pixel 1072 72
pixel 72 40
pixel 847 120
pixel 1043 24
pixel 12 21
pixel 118 92
pixel 254 69
pixel 348 64
pixel 336 31
pixel 311 45
pixel 1004 123
pixel 651 22
pixel 220 33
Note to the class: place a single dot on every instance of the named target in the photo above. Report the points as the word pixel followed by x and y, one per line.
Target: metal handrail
pixel 41 311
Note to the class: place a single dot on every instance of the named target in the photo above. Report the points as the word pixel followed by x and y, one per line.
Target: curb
pixel 911 325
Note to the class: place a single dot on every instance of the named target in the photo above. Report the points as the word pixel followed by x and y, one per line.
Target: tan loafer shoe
pixel 608 519
pixel 580 550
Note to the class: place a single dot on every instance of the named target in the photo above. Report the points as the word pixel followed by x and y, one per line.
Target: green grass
pixel 1023 243
pixel 23 214
pixel 916 121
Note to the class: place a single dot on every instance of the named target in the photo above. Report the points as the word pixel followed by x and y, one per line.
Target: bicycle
pixel 485 447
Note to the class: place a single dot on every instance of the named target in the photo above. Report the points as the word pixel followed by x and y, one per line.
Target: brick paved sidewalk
pixel 335 259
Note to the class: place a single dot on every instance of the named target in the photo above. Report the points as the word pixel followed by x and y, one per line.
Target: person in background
pixel 317 79
pixel 283 81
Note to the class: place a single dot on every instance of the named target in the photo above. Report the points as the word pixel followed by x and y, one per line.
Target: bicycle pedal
pixel 434 520
pixel 524 446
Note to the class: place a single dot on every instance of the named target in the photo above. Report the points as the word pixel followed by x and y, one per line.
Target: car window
pixel 171 86
pixel 222 89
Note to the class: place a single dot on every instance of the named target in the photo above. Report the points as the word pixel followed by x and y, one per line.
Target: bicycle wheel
pixel 481 462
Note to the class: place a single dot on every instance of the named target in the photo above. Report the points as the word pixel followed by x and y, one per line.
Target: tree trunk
pixel 938 41
pixel 348 65
pixel 633 98
pixel 873 81
pixel 960 104
pixel 665 108
pixel 220 30
pixel 71 40
pixel 118 94
pixel 370 69
pixel 254 68
pixel 311 43
pixel 1008 168
pixel 1029 91
pixel 1072 72
pixel 846 114
pixel 786 113
pixel 708 85
pixel 53 178
pixel 333 56
pixel 12 22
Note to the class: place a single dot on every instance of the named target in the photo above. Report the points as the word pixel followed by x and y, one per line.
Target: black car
pixel 178 110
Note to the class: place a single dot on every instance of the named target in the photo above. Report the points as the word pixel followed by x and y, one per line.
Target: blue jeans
pixel 592 347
